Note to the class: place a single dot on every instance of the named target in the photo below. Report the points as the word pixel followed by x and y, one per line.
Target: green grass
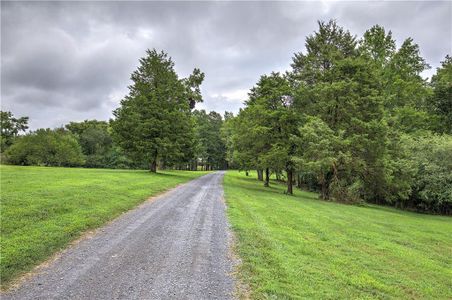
pixel 295 247
pixel 43 209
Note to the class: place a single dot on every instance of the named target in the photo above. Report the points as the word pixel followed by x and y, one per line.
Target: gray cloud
pixel 65 61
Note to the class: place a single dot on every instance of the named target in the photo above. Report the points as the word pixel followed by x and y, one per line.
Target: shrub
pixel 46 147
pixel 431 185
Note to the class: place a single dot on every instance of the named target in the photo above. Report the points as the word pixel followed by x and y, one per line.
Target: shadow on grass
pixel 163 173
pixel 402 212
pixel 276 187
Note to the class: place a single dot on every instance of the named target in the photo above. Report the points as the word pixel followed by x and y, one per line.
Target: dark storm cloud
pixel 64 61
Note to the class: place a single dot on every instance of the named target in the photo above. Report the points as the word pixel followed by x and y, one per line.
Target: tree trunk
pixel 246 173
pixel 267 177
pixel 323 190
pixel 153 166
pixel 260 175
pixel 324 183
pixel 299 181
pixel 290 182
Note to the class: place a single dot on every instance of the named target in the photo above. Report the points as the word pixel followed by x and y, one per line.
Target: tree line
pixel 156 126
pixel 91 144
pixel 354 120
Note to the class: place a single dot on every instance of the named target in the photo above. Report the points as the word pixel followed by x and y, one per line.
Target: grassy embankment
pixel 297 246
pixel 43 209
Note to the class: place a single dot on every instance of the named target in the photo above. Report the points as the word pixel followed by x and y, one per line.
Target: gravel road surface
pixel 174 247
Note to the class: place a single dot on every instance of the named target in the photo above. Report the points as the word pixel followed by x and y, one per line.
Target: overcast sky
pixel 70 61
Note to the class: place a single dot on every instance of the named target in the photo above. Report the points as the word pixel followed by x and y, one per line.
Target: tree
pixel 78 128
pixel 265 128
pixel 430 162
pixel 342 88
pixel 95 139
pixel 10 128
pixel 153 122
pixel 377 46
pixel 46 147
pixel 405 91
pixel 193 87
pixel 210 148
pixel 227 132
pixel 320 152
pixel 354 119
pixel 441 99
pixel 241 141
pixel 330 44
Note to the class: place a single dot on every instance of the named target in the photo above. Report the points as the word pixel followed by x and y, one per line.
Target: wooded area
pixel 352 119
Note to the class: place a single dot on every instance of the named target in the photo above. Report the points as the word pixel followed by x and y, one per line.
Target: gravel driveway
pixel 174 247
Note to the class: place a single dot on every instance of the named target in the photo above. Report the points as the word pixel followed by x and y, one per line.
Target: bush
pixel 431 185
pixel 46 147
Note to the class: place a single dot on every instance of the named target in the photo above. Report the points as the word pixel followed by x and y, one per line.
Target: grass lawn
pixel 296 247
pixel 43 209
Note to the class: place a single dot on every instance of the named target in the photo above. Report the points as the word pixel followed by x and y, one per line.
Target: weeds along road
pixel 174 247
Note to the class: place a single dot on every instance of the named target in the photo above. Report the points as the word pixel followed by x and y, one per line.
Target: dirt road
pixel 175 247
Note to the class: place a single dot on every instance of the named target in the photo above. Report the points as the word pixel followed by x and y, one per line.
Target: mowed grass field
pixel 295 247
pixel 43 209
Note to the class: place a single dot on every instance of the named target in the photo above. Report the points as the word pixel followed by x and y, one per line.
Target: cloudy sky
pixel 70 61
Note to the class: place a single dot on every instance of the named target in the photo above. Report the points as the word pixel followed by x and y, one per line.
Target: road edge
pixel 17 282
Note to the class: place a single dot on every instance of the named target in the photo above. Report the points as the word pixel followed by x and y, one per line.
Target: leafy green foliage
pixel 441 99
pixel 226 134
pixel 318 155
pixel 431 160
pixel 241 135
pixel 46 147
pixel 96 142
pixel 10 127
pixel 378 46
pixel 153 123
pixel 331 43
pixel 357 110
pixel 210 145
pixel 263 132
pixel 192 86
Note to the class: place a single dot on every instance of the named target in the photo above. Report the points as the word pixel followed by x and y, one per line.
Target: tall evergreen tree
pixel 267 125
pixel 441 99
pixel 342 89
pixel 153 122
pixel 210 145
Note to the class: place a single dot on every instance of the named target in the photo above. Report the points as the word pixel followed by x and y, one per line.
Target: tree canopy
pixel 154 121
pixel 347 118
pixel 10 127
